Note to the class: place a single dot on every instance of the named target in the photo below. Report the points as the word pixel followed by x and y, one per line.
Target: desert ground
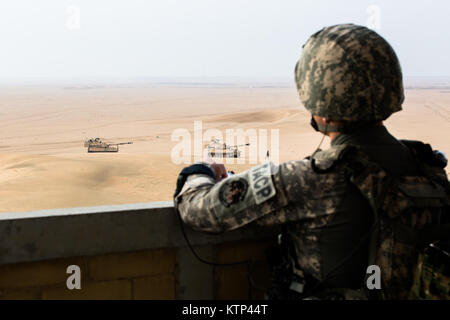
pixel 43 163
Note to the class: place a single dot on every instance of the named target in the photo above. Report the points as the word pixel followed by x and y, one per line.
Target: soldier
pixel 364 201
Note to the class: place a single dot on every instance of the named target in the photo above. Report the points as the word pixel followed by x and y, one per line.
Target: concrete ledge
pixel 71 232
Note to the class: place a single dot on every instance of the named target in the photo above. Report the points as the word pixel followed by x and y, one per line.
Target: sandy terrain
pixel 43 163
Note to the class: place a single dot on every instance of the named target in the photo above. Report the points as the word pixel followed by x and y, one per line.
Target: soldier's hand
pixel 219 170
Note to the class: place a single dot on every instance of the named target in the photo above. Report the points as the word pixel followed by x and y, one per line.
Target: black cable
pixel 183 231
pixel 249 263
pixel 250 278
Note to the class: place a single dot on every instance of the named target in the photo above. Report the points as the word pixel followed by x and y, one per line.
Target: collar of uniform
pixel 371 134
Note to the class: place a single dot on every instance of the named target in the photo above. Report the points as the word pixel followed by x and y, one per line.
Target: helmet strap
pixel 325 128
pixel 315 125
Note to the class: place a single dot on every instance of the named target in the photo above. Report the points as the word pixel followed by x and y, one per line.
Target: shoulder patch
pixel 233 191
pixel 261 183
pixel 325 159
pixel 234 195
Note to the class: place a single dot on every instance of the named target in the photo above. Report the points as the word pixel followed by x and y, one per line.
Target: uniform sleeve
pixel 266 194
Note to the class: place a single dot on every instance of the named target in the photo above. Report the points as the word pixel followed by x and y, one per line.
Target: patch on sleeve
pixel 261 183
pixel 233 192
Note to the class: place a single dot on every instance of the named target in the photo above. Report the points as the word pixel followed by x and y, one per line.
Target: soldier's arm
pixel 268 194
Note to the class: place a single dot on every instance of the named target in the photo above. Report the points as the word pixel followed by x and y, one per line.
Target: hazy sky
pixel 204 38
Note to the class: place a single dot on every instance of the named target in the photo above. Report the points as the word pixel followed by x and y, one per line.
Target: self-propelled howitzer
pixel 97 145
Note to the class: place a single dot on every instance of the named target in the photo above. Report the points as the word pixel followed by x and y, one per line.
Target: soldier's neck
pixel 333 135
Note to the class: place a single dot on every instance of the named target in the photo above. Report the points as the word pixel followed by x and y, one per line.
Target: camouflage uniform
pixel 329 201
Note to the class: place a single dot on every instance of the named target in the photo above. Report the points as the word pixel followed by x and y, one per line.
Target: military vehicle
pixel 97 145
pixel 222 150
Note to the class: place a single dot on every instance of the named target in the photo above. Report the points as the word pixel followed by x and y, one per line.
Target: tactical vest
pixel 412 220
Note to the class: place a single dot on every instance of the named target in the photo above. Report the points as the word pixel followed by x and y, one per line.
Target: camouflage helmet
pixel 349 73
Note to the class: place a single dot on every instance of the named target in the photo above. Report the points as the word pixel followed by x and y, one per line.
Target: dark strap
pixel 330 128
pixel 198 168
pixel 344 128
pixel 426 154
pixel 421 237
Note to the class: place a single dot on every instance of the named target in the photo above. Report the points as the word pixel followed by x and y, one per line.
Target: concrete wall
pixel 132 251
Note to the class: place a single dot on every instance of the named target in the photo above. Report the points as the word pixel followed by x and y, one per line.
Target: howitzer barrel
pixel 116 144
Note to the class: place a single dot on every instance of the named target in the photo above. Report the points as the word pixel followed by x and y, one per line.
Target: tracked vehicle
pixel 222 150
pixel 97 145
